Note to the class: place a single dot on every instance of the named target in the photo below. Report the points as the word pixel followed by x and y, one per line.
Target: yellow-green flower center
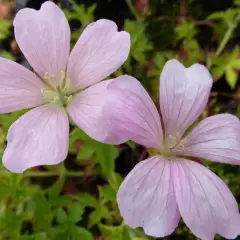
pixel 173 146
pixel 57 94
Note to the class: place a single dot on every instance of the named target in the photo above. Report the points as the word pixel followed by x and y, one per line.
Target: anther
pixel 49 78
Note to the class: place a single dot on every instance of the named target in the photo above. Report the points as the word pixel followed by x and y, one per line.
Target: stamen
pixel 67 84
pixel 49 79
pixel 63 80
pixel 56 99
pixel 57 93
pixel 48 95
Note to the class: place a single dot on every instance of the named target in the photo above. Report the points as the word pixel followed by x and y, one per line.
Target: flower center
pixel 172 147
pixel 57 93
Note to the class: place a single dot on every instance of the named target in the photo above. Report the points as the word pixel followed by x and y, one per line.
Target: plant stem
pixel 47 174
pixel 225 40
pixel 73 174
pixel 227 36
pixel 133 9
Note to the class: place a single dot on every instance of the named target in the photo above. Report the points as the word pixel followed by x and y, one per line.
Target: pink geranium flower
pixel 171 184
pixel 64 86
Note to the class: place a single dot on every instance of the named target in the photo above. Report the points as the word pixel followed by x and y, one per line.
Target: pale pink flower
pixel 64 86
pixel 171 184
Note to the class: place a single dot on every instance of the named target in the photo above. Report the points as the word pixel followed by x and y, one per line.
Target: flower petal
pixel 131 113
pixel 206 204
pixel 100 51
pixel 146 198
pixel 184 93
pixel 216 138
pixel 44 38
pixel 19 87
pixel 86 111
pixel 39 137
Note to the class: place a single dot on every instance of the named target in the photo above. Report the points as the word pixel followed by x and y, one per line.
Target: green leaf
pixel 107 193
pixel 7 55
pixel 231 77
pixel 74 136
pixel 86 152
pixel 79 12
pixel 61 216
pixel 110 230
pixel 4 28
pixel 186 30
pixel 55 190
pixel 73 233
pixel 88 200
pixel 37 236
pixel 115 180
pixel 217 71
pixel 234 54
pixel 6 189
pixel 236 63
pixel 82 233
pixel 216 15
pixel 75 212
pixel 140 43
pixel 105 156
pixel 98 214
pixel 42 212
pixel 115 232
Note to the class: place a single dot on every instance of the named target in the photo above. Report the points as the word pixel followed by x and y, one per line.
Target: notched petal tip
pixel 44 38
pixel 206 204
pixel 173 63
pixel 202 72
pixel 111 25
pixel 146 198
pixel 26 11
pixel 102 49
pixel 184 93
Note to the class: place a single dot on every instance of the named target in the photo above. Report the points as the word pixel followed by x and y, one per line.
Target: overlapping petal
pixel 19 87
pixel 184 94
pixel 100 50
pixel 146 198
pixel 131 113
pixel 216 138
pixel 37 138
pixel 86 111
pixel 44 38
pixel 206 204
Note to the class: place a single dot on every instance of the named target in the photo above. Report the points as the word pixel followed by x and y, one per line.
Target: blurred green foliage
pixel 77 199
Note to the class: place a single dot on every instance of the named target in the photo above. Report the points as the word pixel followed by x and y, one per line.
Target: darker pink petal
pixel 19 87
pixel 100 51
pixel 44 38
pixel 184 94
pixel 216 138
pixel 146 198
pixel 131 113
pixel 206 204
pixel 39 137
